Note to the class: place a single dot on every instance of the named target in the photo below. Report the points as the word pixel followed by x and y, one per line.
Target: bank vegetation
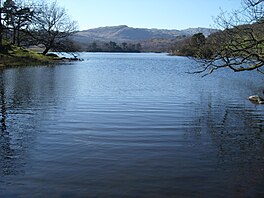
pixel 238 46
pixel 33 23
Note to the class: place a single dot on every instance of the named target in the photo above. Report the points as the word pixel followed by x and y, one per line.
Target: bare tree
pixel 240 46
pixel 52 26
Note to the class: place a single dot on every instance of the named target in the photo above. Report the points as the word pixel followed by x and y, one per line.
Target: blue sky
pixel 162 14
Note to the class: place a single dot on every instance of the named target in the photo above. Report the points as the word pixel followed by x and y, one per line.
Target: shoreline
pixel 19 56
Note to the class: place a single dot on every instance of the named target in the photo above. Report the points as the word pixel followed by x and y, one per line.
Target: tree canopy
pixel 239 45
pixel 42 23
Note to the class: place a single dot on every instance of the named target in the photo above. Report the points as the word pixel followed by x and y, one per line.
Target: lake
pixel 130 125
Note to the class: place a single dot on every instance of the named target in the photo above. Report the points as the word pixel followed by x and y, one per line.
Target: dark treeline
pixel 39 23
pixel 114 47
pixel 195 46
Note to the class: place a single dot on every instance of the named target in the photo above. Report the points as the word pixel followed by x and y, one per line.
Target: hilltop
pixel 124 33
pixel 147 37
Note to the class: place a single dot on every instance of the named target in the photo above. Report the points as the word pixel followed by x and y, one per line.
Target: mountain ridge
pixel 124 33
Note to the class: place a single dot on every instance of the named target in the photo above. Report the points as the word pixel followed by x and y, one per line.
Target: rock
pixel 256 99
pixel 52 55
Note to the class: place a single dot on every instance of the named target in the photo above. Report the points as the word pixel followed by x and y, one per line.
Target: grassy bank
pixel 12 55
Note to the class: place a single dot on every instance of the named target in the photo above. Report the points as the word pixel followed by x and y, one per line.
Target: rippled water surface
pixel 130 125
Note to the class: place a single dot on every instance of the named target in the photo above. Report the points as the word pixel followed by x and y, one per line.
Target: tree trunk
pixel 46 50
pixel 1 33
pixel 18 38
pixel 1 26
pixel 14 36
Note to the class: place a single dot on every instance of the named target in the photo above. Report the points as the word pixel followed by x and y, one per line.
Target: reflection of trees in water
pixel 19 103
pixel 233 129
pixel 236 132
pixel 5 147
pixel 10 150
pixel 3 105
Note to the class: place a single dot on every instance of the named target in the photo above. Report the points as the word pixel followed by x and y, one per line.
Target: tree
pixel 9 12
pixel 240 46
pixel 194 46
pixel 51 26
pixel 17 17
pixel 138 47
pixel 124 46
pixel 94 46
pixel 1 26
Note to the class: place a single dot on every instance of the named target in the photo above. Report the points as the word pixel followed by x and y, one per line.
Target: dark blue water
pixel 130 125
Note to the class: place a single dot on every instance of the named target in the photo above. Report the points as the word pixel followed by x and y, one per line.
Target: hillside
pixel 124 33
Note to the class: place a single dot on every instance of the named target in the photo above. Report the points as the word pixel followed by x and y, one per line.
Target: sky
pixel 161 14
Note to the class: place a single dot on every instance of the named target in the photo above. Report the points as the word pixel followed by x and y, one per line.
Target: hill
pixel 124 33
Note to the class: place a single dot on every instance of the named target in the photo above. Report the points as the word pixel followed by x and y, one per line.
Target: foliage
pixel 51 26
pixel 19 56
pixel 239 46
pixel 41 23
pixel 16 17
pixel 114 47
pixel 195 46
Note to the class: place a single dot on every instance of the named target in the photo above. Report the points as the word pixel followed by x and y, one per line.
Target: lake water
pixel 130 125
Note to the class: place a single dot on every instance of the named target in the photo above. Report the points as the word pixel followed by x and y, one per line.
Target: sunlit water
pixel 130 125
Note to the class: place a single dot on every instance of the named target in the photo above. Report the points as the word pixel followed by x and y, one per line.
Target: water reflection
pixel 131 122
pixel 236 132
pixel 6 152
pixel 21 111
pixel 234 129
pixel 3 103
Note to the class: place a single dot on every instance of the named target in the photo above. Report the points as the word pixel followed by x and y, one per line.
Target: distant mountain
pixel 124 33
pixel 191 31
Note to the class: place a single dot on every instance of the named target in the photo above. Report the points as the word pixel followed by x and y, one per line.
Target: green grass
pixel 19 56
